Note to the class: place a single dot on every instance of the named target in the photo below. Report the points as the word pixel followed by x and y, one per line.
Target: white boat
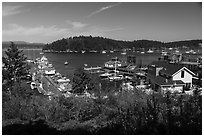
pixel 105 75
pixel 111 51
pixel 50 65
pixel 103 51
pixel 93 68
pixel 123 53
pixel 93 51
pixel 66 63
pixel 116 77
pixel 142 52
pixel 150 51
pixel 50 71
pixel 41 53
pixel 83 51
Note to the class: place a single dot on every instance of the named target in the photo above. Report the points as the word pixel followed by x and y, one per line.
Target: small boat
pixel 123 53
pixel 105 75
pixel 50 65
pixel 142 52
pixel 66 63
pixel 111 51
pixel 82 51
pixel 150 51
pixel 103 51
pixel 41 53
pixel 116 77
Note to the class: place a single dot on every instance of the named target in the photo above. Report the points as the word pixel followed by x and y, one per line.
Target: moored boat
pixel 66 63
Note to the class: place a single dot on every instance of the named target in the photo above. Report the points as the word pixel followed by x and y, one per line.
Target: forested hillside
pixel 23 45
pixel 89 43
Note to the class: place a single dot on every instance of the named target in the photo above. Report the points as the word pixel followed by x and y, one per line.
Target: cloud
pixel 103 9
pixel 50 33
pixel 76 25
pixel 15 29
pixel 8 10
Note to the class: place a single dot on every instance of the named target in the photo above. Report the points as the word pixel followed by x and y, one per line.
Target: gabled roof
pixel 186 69
pixel 162 81
pixel 169 69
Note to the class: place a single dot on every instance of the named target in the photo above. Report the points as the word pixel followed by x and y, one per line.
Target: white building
pixel 172 77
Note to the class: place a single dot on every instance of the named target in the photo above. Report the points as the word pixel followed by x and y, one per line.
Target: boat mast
pixel 115 66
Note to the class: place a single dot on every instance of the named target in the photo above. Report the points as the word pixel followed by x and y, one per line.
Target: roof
pixel 162 81
pixel 168 68
pixel 49 69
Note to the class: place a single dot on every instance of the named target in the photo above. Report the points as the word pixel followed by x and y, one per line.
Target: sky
pixel 47 22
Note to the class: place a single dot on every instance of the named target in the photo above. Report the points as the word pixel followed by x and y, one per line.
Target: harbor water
pixel 76 60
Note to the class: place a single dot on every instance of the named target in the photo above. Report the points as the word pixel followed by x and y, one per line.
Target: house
pixel 164 76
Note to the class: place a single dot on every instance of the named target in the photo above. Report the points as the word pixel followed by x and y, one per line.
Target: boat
pixel 66 63
pixel 103 51
pixel 142 52
pixel 105 75
pixel 111 51
pixel 150 51
pixel 123 53
pixel 41 53
pixel 115 77
pixel 50 65
pixel 82 51
pixel 92 68
pixel 93 51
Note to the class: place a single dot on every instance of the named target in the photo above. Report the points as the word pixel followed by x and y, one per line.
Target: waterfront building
pixel 174 77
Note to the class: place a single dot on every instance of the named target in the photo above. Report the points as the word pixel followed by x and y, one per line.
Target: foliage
pixel 89 43
pixel 127 112
pixel 15 66
pixel 83 81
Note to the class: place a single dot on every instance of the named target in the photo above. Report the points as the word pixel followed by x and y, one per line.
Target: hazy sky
pixel 47 22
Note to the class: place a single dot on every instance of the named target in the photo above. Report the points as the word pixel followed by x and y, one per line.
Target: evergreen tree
pixel 15 66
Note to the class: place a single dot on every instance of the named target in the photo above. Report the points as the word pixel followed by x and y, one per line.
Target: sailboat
pixel 115 76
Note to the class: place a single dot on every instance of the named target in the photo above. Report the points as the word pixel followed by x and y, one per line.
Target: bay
pixel 77 60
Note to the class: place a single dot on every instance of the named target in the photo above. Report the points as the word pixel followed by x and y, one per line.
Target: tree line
pixel 22 45
pixel 88 43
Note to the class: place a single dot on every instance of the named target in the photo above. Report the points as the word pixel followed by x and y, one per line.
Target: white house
pixel 185 75
pixel 173 77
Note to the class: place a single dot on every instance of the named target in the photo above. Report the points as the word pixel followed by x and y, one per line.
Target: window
pixel 182 74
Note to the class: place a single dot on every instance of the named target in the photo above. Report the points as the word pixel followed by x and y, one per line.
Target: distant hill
pixel 88 43
pixel 23 45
